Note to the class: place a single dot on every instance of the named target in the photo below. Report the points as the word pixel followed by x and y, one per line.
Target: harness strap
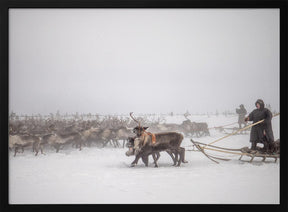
pixel 152 135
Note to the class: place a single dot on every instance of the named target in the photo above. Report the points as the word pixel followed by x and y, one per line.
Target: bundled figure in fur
pixel 261 133
pixel 241 115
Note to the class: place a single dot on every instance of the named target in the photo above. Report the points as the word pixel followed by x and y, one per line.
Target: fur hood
pixel 261 102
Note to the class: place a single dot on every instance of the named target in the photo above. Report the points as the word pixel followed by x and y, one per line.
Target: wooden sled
pixel 256 153
pixel 245 151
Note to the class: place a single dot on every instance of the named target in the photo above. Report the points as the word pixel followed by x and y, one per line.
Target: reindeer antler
pixel 134 119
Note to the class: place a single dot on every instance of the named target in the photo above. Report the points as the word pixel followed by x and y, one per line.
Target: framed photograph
pixel 144 103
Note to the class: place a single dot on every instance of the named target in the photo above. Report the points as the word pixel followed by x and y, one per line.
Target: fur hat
pixel 260 102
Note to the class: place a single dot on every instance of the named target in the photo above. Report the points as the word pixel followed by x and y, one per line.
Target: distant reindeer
pixel 194 128
pixel 20 141
pixel 58 138
pixel 122 133
pixel 91 135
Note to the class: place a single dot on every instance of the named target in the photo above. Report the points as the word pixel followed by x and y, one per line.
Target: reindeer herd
pixel 39 134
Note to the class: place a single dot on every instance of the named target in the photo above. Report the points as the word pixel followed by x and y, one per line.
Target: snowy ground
pixel 94 175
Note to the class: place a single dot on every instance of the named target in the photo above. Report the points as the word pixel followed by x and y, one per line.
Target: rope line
pixel 229 149
pixel 223 125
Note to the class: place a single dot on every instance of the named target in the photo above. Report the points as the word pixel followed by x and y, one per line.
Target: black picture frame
pixel 281 4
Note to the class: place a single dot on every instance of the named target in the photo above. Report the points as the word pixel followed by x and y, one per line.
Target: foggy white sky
pixel 142 60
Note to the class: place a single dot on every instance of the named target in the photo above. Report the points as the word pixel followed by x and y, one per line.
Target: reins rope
pixel 223 125
pixel 218 147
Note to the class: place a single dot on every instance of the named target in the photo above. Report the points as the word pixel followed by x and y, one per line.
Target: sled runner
pixel 229 130
pixel 258 153
pixel 245 151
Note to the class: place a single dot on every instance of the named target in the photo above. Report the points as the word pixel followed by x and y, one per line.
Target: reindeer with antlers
pixel 146 143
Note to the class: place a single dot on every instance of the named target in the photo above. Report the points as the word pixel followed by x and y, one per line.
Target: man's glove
pixel 247 118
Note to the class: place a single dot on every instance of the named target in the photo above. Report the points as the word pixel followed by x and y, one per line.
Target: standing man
pixel 261 133
pixel 241 115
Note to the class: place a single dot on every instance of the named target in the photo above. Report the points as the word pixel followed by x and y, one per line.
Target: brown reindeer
pixel 147 143
pixel 156 155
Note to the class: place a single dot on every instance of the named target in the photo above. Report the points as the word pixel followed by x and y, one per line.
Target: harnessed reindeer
pixel 147 143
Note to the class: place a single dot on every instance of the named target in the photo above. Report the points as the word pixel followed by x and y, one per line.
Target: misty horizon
pixel 116 61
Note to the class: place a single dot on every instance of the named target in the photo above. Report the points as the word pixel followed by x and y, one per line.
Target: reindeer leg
pixel 172 156
pixel 105 143
pixel 15 151
pixel 176 157
pixel 80 145
pixel 135 161
pixel 111 143
pixel 37 147
pixel 155 158
pixel 145 160
pixel 116 143
pixel 57 147
pixel 34 146
pixel 41 148
pixel 183 159
pixel 180 150
pixel 156 165
pixel 158 156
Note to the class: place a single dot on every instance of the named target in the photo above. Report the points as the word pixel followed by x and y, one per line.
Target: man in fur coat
pixel 261 133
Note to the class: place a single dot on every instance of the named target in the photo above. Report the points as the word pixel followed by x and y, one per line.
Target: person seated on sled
pixel 241 115
pixel 262 132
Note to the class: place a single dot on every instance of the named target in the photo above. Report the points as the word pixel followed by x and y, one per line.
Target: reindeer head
pixel 12 130
pixel 130 145
pixel 139 129
pixel 134 145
